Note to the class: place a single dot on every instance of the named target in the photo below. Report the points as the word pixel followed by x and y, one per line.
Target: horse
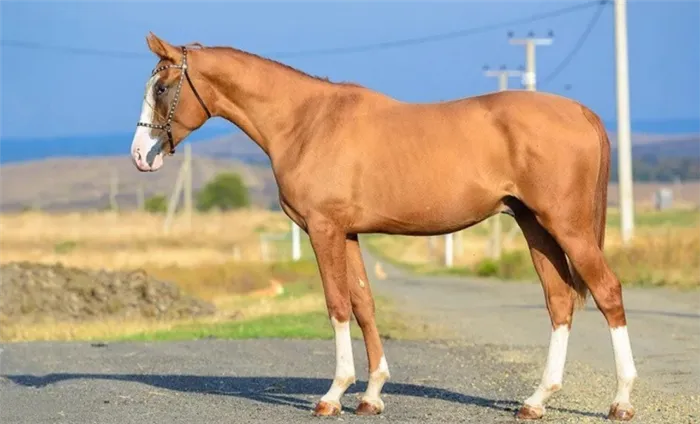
pixel 349 160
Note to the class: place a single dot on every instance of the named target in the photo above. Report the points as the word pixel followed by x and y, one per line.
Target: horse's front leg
pixel 328 242
pixel 363 308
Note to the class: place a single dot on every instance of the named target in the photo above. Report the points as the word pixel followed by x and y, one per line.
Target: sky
pixel 51 93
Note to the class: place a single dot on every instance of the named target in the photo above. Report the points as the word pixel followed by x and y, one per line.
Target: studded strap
pixel 176 99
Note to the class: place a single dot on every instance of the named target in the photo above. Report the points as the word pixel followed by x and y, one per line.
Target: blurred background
pixel 92 248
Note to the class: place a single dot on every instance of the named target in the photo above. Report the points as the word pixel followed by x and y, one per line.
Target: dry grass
pixel 201 261
pixel 659 257
pixel 113 241
pixel 666 250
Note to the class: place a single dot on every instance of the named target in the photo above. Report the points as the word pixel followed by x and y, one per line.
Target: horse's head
pixel 172 107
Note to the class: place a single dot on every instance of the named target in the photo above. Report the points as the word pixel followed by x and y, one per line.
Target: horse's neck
pixel 261 97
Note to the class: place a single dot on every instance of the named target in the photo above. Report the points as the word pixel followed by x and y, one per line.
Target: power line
pixel 579 43
pixel 74 50
pixel 436 37
pixel 329 51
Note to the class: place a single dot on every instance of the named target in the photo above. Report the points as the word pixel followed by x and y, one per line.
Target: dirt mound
pixel 35 292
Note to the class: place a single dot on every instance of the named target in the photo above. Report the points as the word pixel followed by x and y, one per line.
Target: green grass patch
pixel 64 247
pixel 679 218
pixel 311 325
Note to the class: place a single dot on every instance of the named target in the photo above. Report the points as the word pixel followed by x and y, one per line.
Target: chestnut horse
pixel 349 160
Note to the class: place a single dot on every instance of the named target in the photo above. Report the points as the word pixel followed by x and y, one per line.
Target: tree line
pixel 224 192
pixel 666 169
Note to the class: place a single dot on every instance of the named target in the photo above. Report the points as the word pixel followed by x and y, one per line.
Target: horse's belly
pixel 422 209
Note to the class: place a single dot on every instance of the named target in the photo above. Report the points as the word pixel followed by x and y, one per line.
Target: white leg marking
pixel 624 364
pixel 344 363
pixel 377 378
pixel 554 370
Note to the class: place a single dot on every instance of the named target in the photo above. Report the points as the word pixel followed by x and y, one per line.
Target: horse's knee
pixel 339 309
pixel 561 307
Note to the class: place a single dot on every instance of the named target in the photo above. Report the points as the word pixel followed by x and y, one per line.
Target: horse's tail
pixel 600 200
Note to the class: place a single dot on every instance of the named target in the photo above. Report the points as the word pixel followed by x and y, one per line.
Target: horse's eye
pixel 160 89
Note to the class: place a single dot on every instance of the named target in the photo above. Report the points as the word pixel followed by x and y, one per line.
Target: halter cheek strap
pixel 171 112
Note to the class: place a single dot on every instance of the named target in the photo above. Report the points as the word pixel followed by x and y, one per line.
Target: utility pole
pixel 624 142
pixel 503 75
pixel 530 42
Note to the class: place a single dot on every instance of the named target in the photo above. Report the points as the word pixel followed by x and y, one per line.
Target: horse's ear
pixel 162 48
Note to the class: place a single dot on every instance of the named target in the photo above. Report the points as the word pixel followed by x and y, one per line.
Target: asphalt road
pixel 487 358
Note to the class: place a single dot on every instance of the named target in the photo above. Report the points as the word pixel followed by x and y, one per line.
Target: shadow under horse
pixel 282 391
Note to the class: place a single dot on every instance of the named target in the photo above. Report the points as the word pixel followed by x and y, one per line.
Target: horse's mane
pixel 229 49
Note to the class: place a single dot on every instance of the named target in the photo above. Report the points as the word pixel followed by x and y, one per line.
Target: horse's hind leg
pixel 582 248
pixel 363 309
pixel 552 268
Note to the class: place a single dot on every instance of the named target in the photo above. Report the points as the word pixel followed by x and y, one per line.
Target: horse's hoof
pixel 370 408
pixel 621 412
pixel 528 412
pixel 327 409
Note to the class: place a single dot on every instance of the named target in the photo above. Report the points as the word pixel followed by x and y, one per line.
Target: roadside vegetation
pixel 227 273
pixel 665 251
pixel 116 275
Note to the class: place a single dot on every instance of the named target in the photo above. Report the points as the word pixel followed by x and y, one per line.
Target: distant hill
pixel 232 146
pixel 84 183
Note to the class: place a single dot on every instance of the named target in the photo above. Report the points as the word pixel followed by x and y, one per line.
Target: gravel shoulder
pixel 664 324
pixel 488 359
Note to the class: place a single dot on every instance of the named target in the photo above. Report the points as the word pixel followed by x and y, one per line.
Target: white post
pixel 296 242
pixel 624 143
pixel 449 251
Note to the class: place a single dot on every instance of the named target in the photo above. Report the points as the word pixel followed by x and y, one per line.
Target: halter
pixel 171 113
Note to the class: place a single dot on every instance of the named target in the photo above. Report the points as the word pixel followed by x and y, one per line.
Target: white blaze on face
pixel 145 150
